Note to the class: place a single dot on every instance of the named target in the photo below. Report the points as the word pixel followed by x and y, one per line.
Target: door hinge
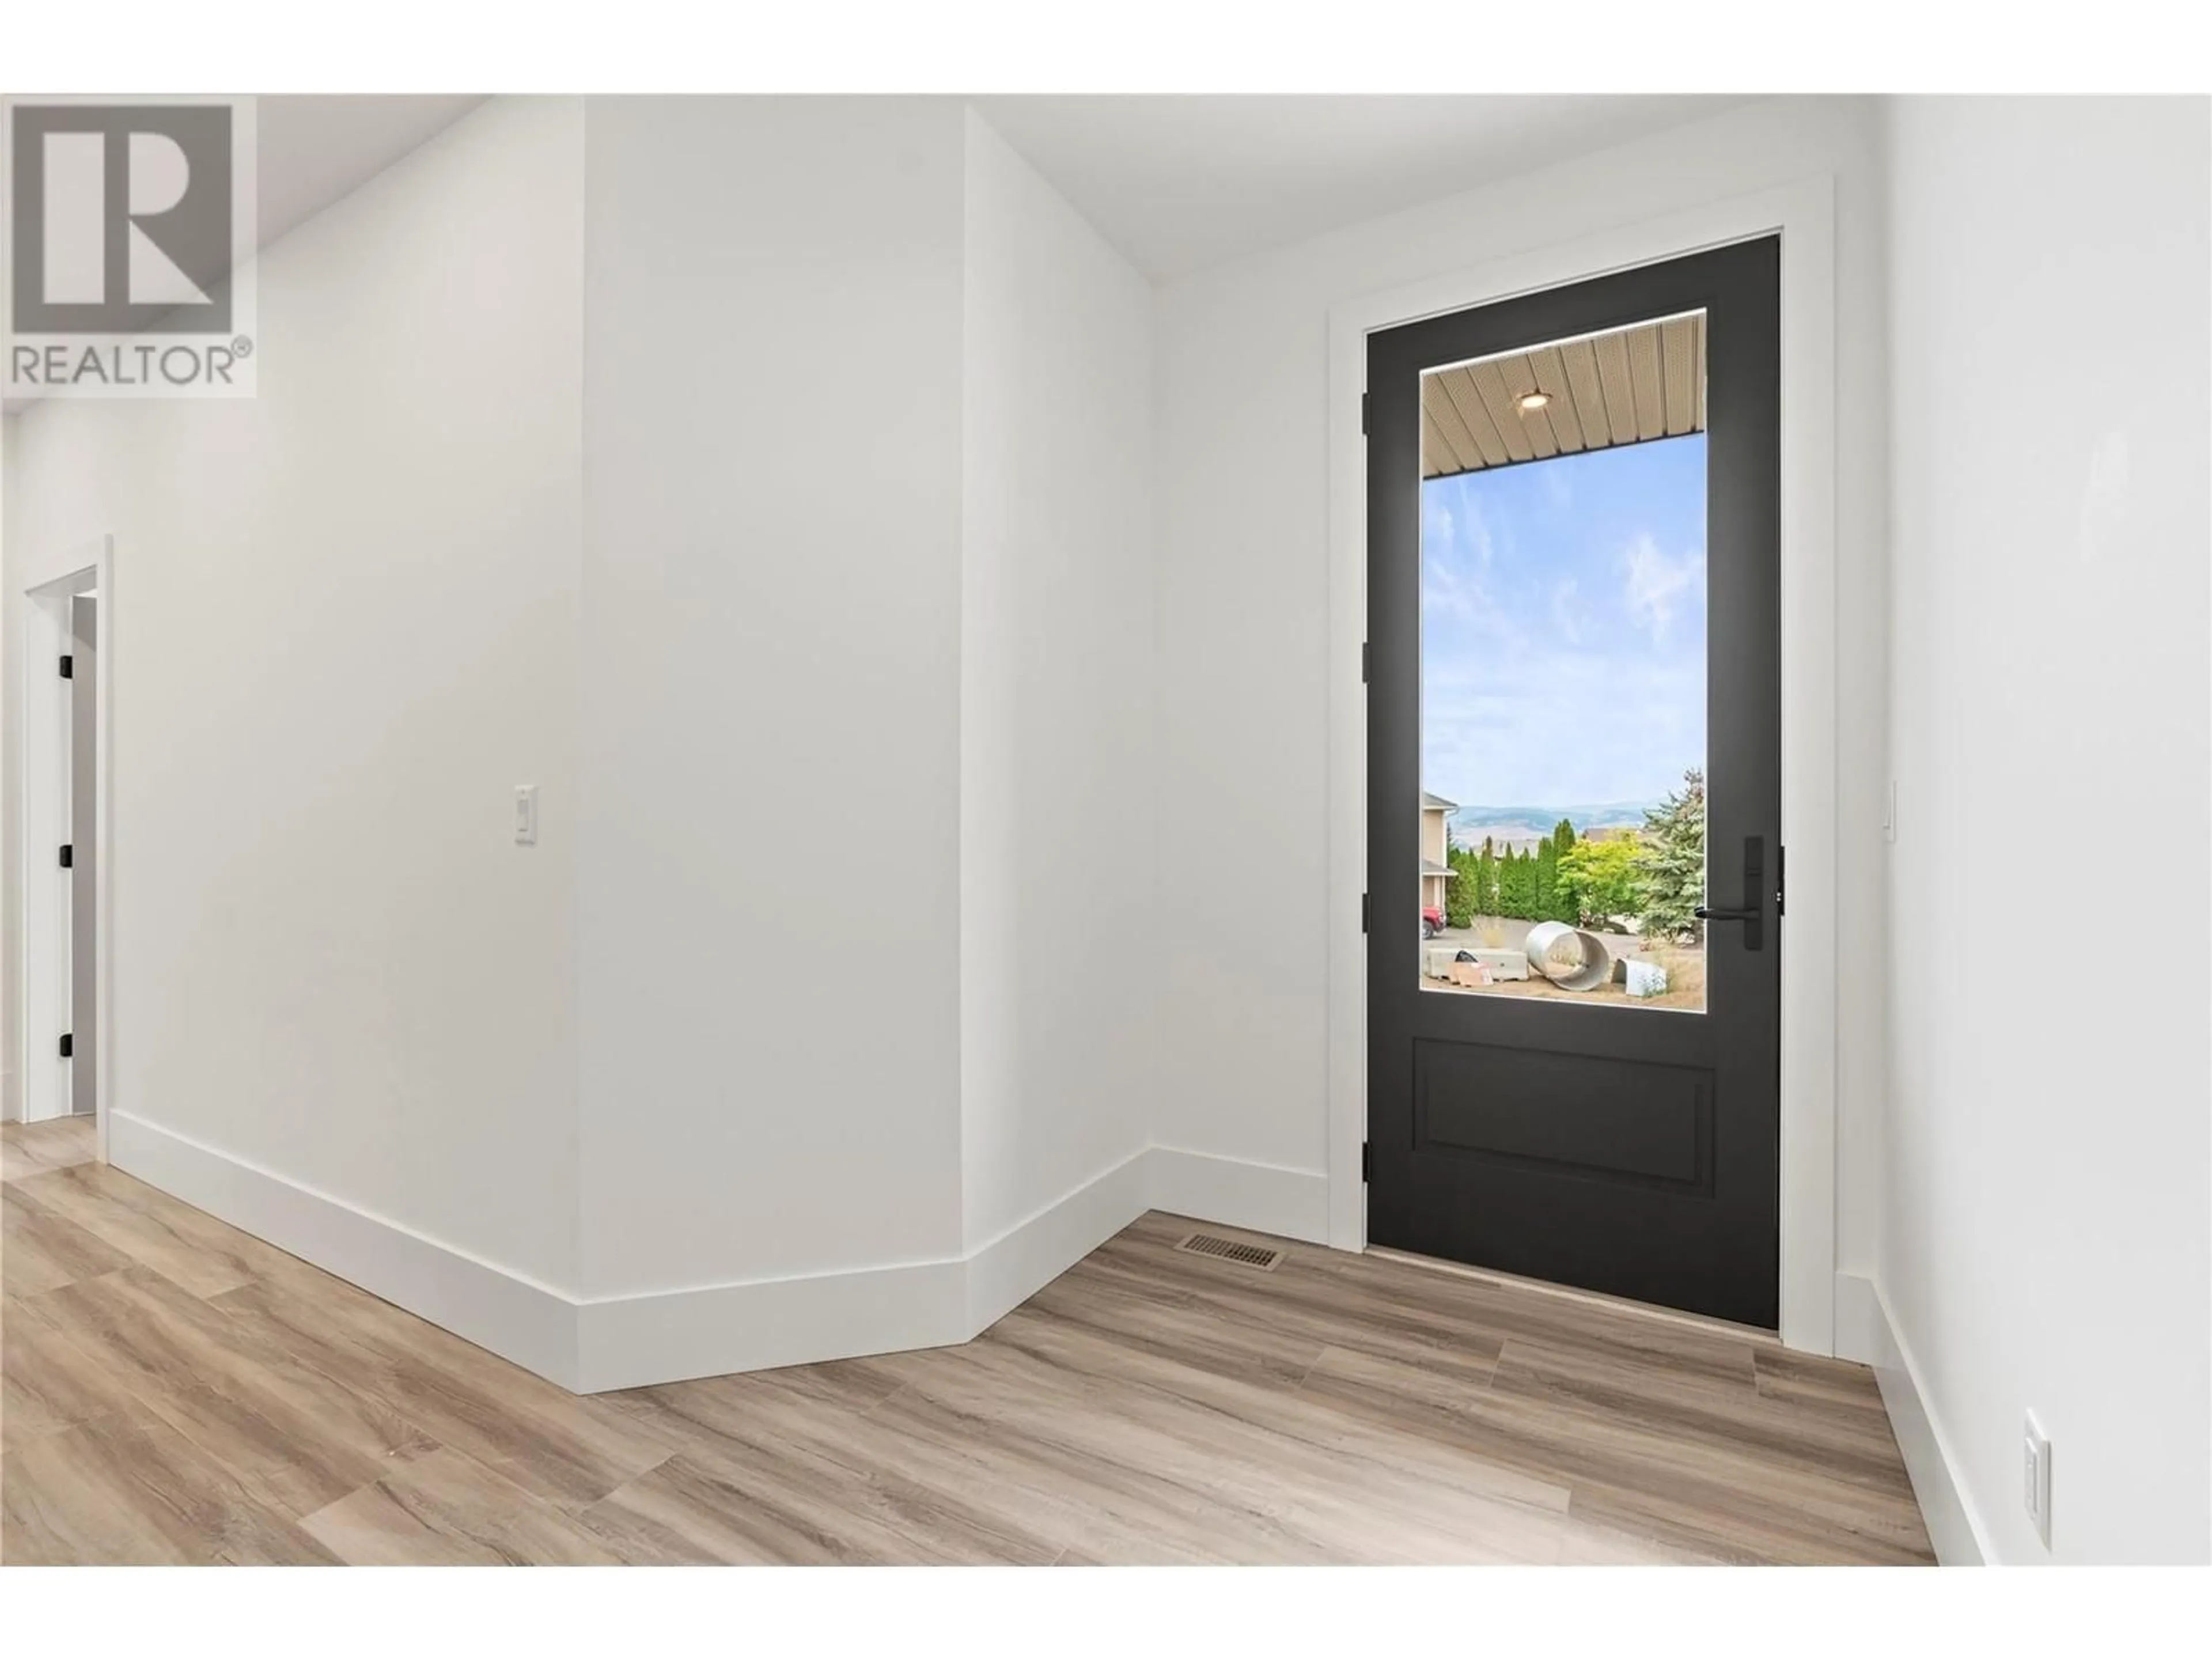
pixel 1780 886
pixel 1363 414
pixel 69 1045
pixel 68 668
pixel 69 855
pixel 1363 662
pixel 1362 912
pixel 1366 1162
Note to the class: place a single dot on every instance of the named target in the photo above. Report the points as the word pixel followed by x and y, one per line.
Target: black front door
pixel 1574 753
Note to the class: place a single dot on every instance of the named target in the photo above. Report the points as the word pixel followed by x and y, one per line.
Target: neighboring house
pixel 1436 863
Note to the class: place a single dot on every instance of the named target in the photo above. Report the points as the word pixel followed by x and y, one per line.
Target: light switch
pixel 526 815
pixel 2035 1470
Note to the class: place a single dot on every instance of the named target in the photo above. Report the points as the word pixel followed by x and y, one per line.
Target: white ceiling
pixel 314 150
pixel 1176 183
pixel 1180 183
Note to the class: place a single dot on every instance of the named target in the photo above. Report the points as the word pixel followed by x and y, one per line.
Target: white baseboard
pixel 1007 1271
pixel 1865 1332
pixel 495 1308
pixel 1262 1197
pixel 1861 1327
pixel 631 1341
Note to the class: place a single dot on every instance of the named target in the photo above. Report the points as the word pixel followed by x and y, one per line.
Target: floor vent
pixel 1228 1250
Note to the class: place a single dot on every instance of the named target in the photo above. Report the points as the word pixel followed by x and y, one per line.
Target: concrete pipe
pixel 1597 964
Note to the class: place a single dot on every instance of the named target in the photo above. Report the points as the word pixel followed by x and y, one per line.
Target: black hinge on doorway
pixel 68 668
pixel 1363 414
pixel 1362 912
pixel 1779 886
pixel 69 1044
pixel 1366 1162
pixel 69 855
pixel 1362 662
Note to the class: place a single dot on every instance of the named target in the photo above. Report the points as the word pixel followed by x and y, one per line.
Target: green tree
pixel 1673 857
pixel 1600 879
pixel 1547 879
pixel 1562 907
pixel 1485 880
pixel 1460 892
pixel 1516 885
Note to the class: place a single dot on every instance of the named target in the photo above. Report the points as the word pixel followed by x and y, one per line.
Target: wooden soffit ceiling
pixel 1627 387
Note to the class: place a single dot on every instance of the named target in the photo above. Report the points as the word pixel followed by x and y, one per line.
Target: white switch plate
pixel 526 815
pixel 2035 1471
pixel 1889 818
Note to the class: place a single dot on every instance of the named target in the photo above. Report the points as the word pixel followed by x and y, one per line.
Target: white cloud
pixel 1658 584
pixel 1567 609
pixel 1478 536
pixel 1455 559
pixel 1447 594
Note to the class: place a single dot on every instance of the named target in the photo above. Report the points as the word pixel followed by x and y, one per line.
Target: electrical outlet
pixel 2035 1470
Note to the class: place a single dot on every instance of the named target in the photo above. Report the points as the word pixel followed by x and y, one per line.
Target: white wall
pixel 936 584
pixel 656 452
pixel 11 897
pixel 769 901
pixel 1242 400
pixel 344 624
pixel 1058 1017
pixel 2048 1218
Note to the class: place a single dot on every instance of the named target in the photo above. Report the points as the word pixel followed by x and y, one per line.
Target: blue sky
pixel 1562 628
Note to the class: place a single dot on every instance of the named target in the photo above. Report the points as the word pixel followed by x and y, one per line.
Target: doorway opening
pixel 63 795
pixel 1573 592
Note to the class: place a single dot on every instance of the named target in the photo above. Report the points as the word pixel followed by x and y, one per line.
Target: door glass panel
pixel 1563 670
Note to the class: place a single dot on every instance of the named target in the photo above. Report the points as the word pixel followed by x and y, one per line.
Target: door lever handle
pixel 1752 914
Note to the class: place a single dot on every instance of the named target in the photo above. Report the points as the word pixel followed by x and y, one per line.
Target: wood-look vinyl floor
pixel 171 1390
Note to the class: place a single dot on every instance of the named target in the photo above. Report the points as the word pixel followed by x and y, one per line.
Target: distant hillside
pixel 1526 826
